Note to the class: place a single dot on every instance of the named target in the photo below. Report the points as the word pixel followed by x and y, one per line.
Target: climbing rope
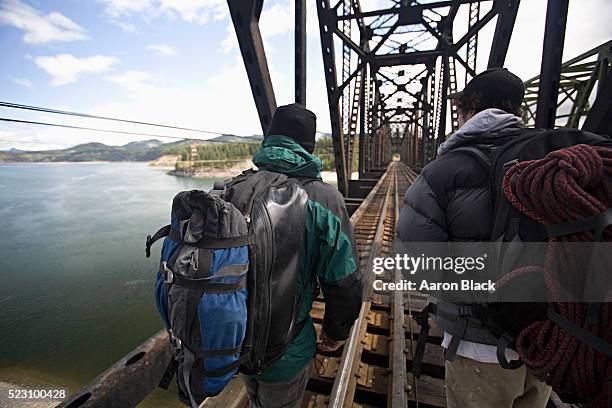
pixel 567 185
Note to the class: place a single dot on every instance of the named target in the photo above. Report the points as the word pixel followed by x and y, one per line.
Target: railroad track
pixel 373 369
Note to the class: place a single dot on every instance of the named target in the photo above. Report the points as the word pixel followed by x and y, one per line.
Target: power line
pixel 86 115
pixel 30 122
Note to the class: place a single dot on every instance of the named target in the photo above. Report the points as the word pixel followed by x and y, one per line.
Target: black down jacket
pixel 449 201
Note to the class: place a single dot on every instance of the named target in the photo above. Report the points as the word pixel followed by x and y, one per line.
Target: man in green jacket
pixel 329 259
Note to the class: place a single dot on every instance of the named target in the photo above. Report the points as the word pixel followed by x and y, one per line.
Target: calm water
pixel 76 291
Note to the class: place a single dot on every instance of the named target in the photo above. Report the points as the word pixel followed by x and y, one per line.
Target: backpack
pixel 499 323
pixel 226 287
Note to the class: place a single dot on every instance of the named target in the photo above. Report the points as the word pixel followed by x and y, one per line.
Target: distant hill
pixel 232 148
pixel 143 144
pixel 144 150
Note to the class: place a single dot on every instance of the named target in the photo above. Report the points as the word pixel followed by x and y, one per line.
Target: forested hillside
pixel 224 148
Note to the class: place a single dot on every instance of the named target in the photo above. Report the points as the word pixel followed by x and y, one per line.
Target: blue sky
pixel 177 62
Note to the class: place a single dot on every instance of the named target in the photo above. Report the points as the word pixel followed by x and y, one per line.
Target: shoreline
pixel 328 176
pixel 72 162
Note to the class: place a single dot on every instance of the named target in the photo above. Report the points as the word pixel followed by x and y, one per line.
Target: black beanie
pixel 296 122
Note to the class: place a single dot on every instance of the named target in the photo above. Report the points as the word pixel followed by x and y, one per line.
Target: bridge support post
pixel 550 72
pixel 245 16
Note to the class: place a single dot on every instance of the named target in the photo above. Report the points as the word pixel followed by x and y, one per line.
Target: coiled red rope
pixel 566 185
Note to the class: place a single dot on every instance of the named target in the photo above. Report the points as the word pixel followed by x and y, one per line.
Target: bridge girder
pixel 404 49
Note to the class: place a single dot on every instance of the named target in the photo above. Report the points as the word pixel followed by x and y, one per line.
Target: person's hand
pixel 327 344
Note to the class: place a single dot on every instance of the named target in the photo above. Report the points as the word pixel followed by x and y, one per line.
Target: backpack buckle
pixel 175 341
pixel 167 273
pixel 465 310
pixel 511 163
pixel 469 312
pixel 148 246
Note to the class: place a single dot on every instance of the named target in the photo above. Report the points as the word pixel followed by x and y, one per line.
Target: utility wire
pixel 86 115
pixel 30 122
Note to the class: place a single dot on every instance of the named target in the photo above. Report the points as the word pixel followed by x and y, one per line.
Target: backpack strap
pixel 211 243
pixel 203 284
pixel 480 156
pixel 465 314
pixel 161 233
pixel 188 362
pixel 164 383
pixel 304 181
pixel 597 222
pixel 504 218
pixel 597 343
pixel 204 243
pixel 189 358
pixel 504 341
pixel 422 319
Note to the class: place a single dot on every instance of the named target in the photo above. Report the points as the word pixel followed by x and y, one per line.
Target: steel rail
pixel 339 392
pixel 398 339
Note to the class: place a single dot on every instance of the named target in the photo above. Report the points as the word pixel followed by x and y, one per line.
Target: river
pixel 76 291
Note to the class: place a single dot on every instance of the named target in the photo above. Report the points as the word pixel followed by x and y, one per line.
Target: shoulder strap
pixel 480 156
pixel 244 189
pixel 304 181
pixel 598 222
pixel 597 343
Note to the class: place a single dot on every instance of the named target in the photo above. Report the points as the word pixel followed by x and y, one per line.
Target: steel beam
pixel 300 52
pixel 327 25
pixel 599 119
pixel 245 17
pixel 578 79
pixel 363 103
pixel 552 52
pixel 129 380
pixel 506 18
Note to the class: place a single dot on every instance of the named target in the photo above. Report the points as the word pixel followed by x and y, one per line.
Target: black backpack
pixel 226 288
pixel 499 322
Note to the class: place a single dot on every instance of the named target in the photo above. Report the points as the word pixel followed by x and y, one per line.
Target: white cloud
pixel 125 27
pixel 193 11
pixel 189 105
pixel 163 50
pixel 117 8
pixel 26 83
pixel 274 21
pixel 230 41
pixel 38 28
pixel 132 81
pixel 277 21
pixel 66 68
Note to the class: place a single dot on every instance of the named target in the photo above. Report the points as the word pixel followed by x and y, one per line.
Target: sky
pixel 177 62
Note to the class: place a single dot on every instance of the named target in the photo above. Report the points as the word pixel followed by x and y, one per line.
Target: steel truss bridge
pixel 388 72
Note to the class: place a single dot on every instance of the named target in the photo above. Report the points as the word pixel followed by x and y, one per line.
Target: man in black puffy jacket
pixel 451 201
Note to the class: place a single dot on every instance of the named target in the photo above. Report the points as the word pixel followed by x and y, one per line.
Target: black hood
pixel 296 122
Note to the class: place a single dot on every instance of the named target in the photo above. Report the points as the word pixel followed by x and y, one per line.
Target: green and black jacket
pixel 329 258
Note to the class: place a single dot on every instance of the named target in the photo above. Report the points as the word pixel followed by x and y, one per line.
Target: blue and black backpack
pixel 228 270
